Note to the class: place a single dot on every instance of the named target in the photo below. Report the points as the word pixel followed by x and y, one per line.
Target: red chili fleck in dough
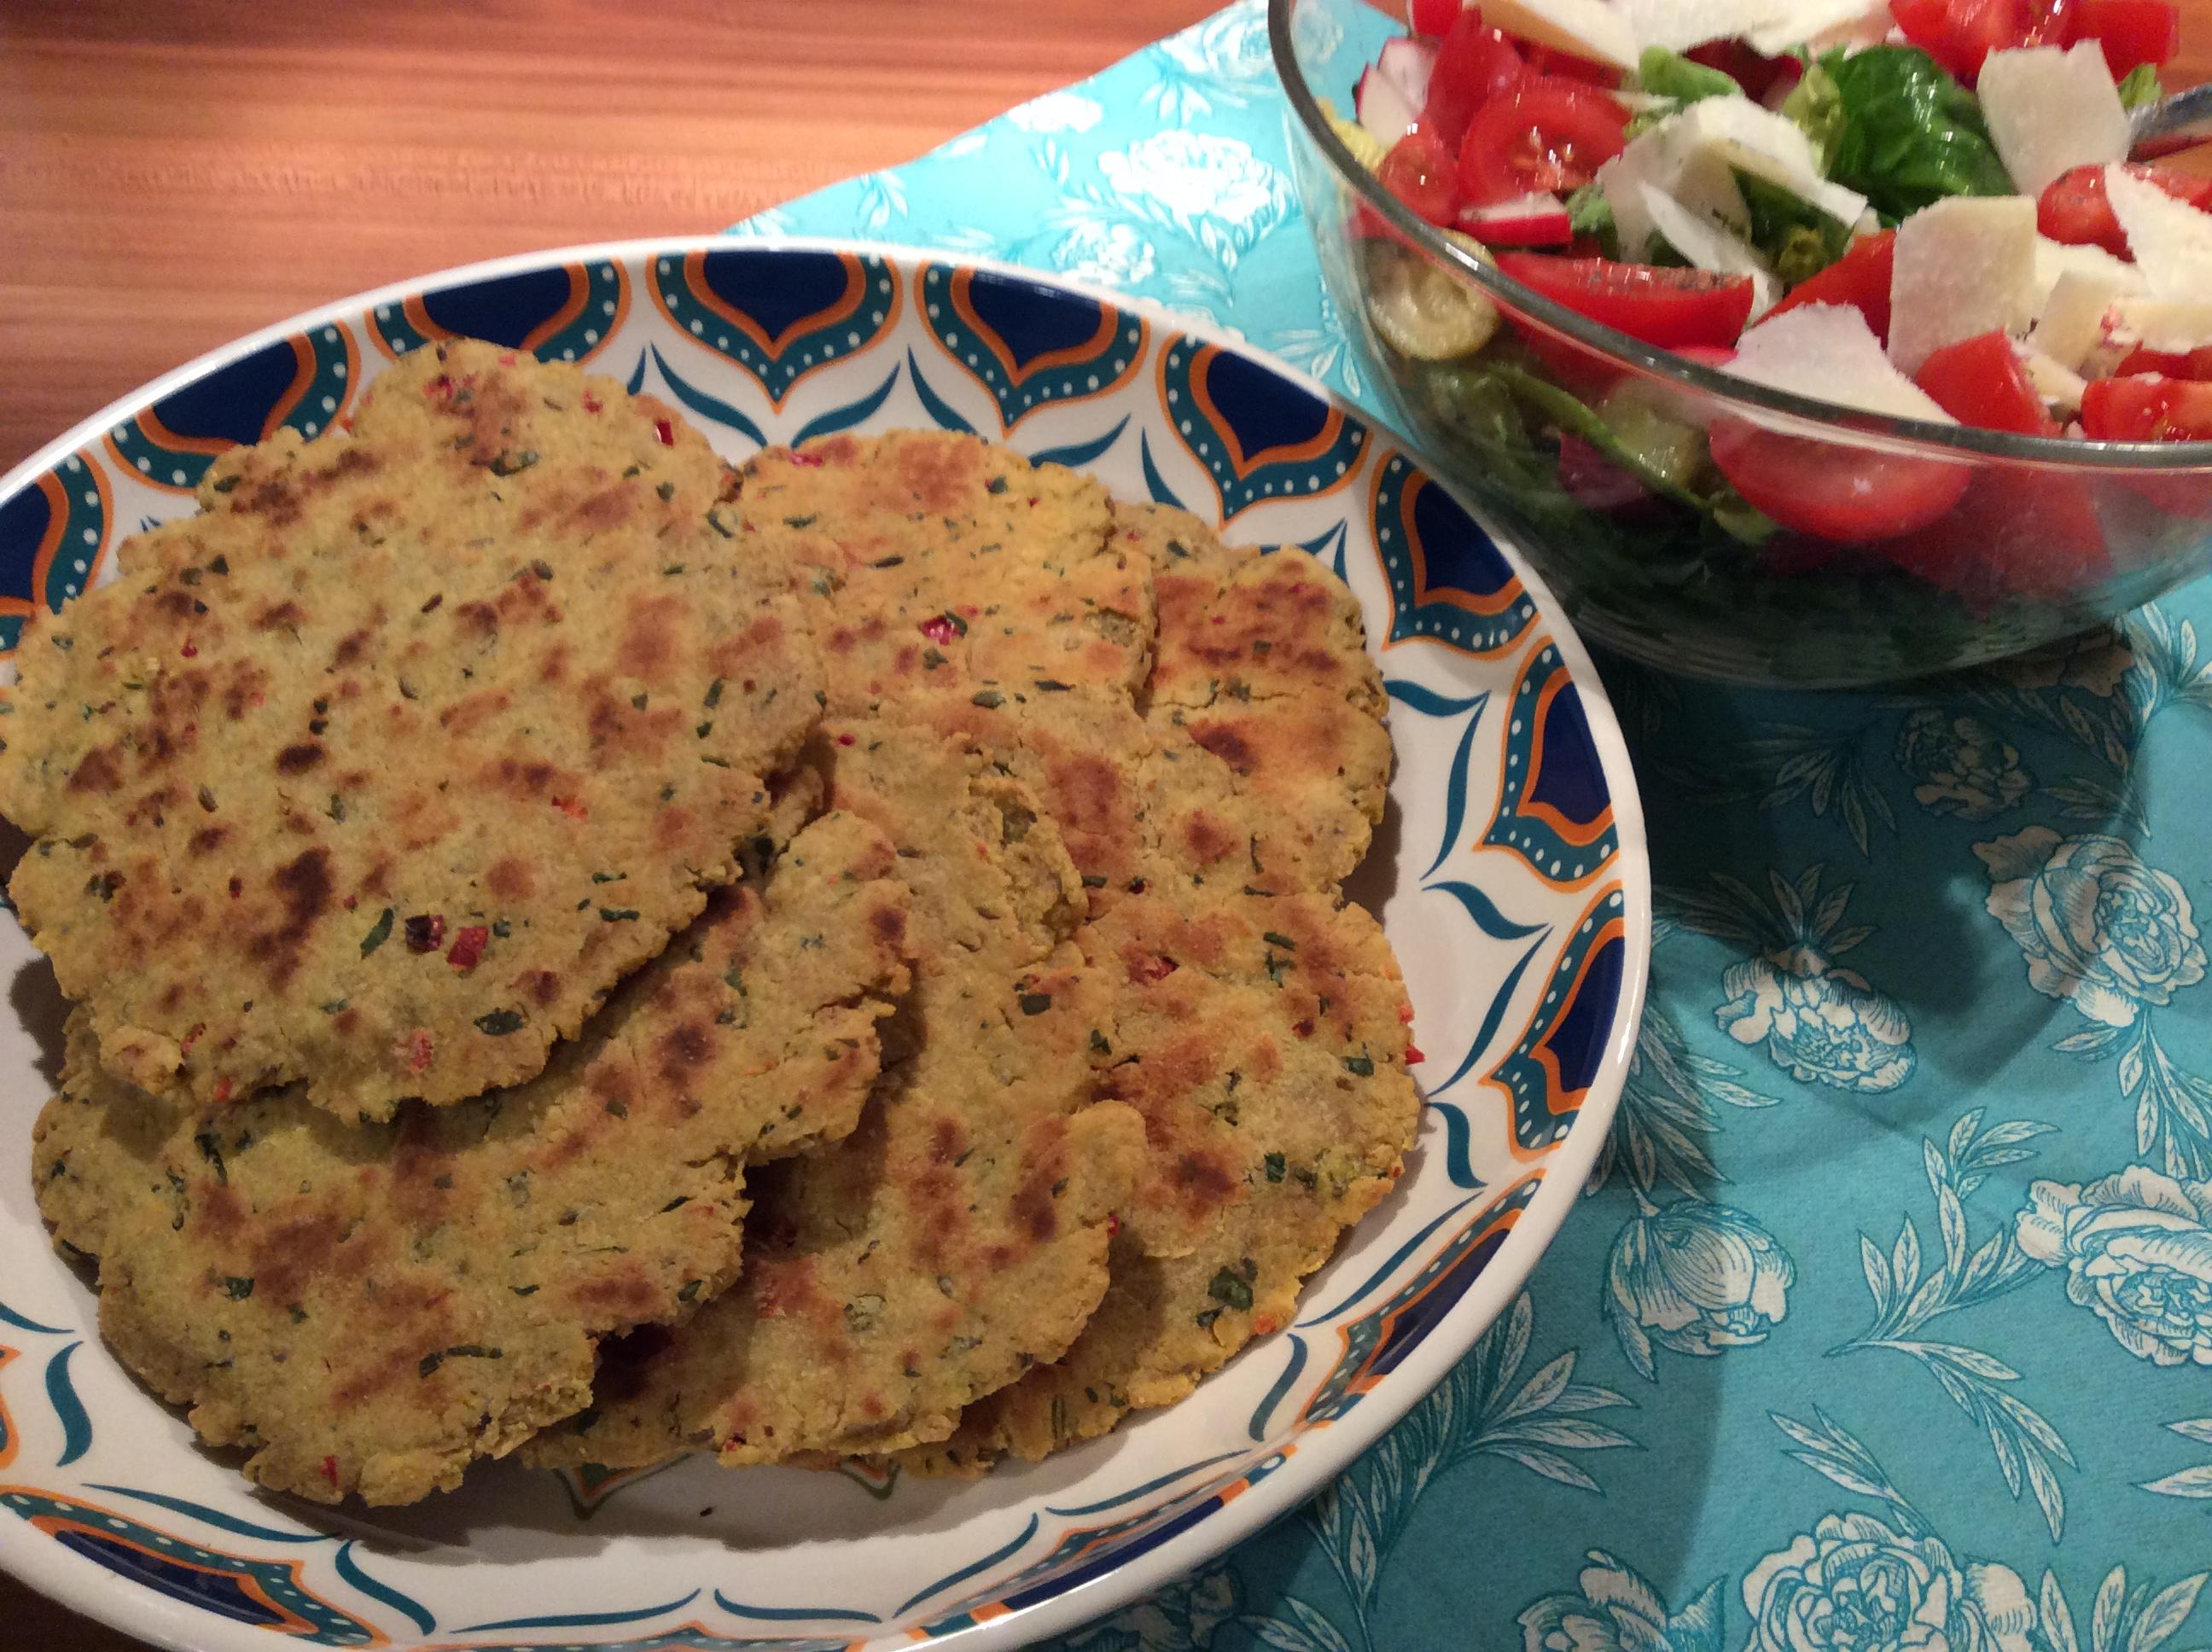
pixel 1303 1029
pixel 237 888
pixel 938 628
pixel 424 931
pixel 1145 971
pixel 439 389
pixel 506 358
pixel 1414 1056
pixel 665 432
pixel 846 739
pixel 191 1037
pixel 191 651
pixel 591 402
pixel 223 1089
pixel 330 1470
pixel 574 808
pixel 414 1049
pixel 811 461
pixel 1264 1326
pixel 1405 1015
pixel 468 946
pixel 1113 1224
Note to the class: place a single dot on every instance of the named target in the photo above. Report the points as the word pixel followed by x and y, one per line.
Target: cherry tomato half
pixel 1418 171
pixel 1474 65
pixel 1832 490
pixel 1978 381
pixel 1432 17
pixel 2196 364
pixel 2132 32
pixel 2073 208
pixel 1959 34
pixel 1859 278
pixel 1544 135
pixel 1663 307
pixel 2148 407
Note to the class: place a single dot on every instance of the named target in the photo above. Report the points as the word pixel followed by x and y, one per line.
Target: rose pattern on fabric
pixel 2136 1247
pixel 1193 176
pixel 1618 1610
pixel 1962 765
pixel 1855 1584
pixel 1820 1023
pixel 2098 926
pixel 1697 1279
pixel 1109 253
pixel 1057 111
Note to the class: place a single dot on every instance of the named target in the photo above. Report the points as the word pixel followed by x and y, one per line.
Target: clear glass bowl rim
pixel 1952 442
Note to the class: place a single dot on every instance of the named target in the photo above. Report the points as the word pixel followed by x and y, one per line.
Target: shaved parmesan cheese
pixel 1812 22
pixel 2072 320
pixel 1678 25
pixel 2170 240
pixel 1828 352
pixel 1695 156
pixel 2059 385
pixel 1962 266
pixel 1588 28
pixel 2051 110
pixel 1708 246
pixel 1756 140
pixel 2172 326
pixel 2055 258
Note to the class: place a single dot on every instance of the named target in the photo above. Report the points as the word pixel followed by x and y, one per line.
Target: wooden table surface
pixel 174 173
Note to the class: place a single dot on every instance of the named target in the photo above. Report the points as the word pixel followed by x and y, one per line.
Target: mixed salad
pixel 1923 209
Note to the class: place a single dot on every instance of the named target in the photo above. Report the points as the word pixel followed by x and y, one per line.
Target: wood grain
pixel 176 172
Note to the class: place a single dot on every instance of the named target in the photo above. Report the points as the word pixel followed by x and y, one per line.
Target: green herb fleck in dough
pixel 379 932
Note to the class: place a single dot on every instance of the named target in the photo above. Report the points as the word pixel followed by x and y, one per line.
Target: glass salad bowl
pixel 1912 547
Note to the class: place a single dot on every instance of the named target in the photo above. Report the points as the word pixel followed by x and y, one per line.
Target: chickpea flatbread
pixel 368 1307
pixel 960 1236
pixel 380 771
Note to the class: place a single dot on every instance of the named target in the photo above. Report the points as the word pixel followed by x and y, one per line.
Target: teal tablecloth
pixel 1887 1325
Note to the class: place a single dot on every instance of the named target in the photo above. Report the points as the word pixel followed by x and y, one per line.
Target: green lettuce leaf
pixel 2141 85
pixel 1907 134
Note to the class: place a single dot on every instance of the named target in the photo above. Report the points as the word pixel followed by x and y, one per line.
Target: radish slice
pixel 1407 64
pixel 1532 221
pixel 1384 112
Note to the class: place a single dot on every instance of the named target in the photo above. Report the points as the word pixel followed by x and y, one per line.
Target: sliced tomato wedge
pixel 1418 170
pixel 1959 34
pixel 2132 33
pixel 1542 135
pixel 2073 208
pixel 1980 381
pixel 1662 306
pixel 2197 364
pixel 2148 407
pixel 1474 63
pixel 1860 278
pixel 1432 17
pixel 1550 60
pixel 1830 489
pixel 2015 533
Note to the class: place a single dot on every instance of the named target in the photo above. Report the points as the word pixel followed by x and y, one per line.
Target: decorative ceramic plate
pixel 1509 873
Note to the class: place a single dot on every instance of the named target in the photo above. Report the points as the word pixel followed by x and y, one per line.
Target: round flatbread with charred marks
pixel 960 1235
pixel 1264 1043
pixel 955 569
pixel 1264 708
pixel 381 770
pixel 365 1308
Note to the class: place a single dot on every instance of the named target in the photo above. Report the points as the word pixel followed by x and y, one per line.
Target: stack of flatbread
pixel 580 951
